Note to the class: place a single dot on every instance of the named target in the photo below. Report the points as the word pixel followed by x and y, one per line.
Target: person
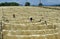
pixel 13 15
pixel 46 22
pixel 31 19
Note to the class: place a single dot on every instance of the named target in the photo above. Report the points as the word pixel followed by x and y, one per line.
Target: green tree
pixel 27 4
pixel 40 4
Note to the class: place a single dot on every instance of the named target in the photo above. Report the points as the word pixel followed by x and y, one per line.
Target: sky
pixel 34 2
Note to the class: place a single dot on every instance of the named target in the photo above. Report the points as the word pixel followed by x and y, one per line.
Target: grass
pixel 22 22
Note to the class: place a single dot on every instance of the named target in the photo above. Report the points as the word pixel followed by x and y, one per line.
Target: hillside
pixel 45 23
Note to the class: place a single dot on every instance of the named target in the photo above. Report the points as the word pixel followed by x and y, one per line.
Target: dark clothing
pixel 31 19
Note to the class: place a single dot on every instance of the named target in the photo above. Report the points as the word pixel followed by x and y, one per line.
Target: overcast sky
pixel 34 2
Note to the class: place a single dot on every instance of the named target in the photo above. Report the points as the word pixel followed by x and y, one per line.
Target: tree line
pixel 16 4
pixel 9 4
